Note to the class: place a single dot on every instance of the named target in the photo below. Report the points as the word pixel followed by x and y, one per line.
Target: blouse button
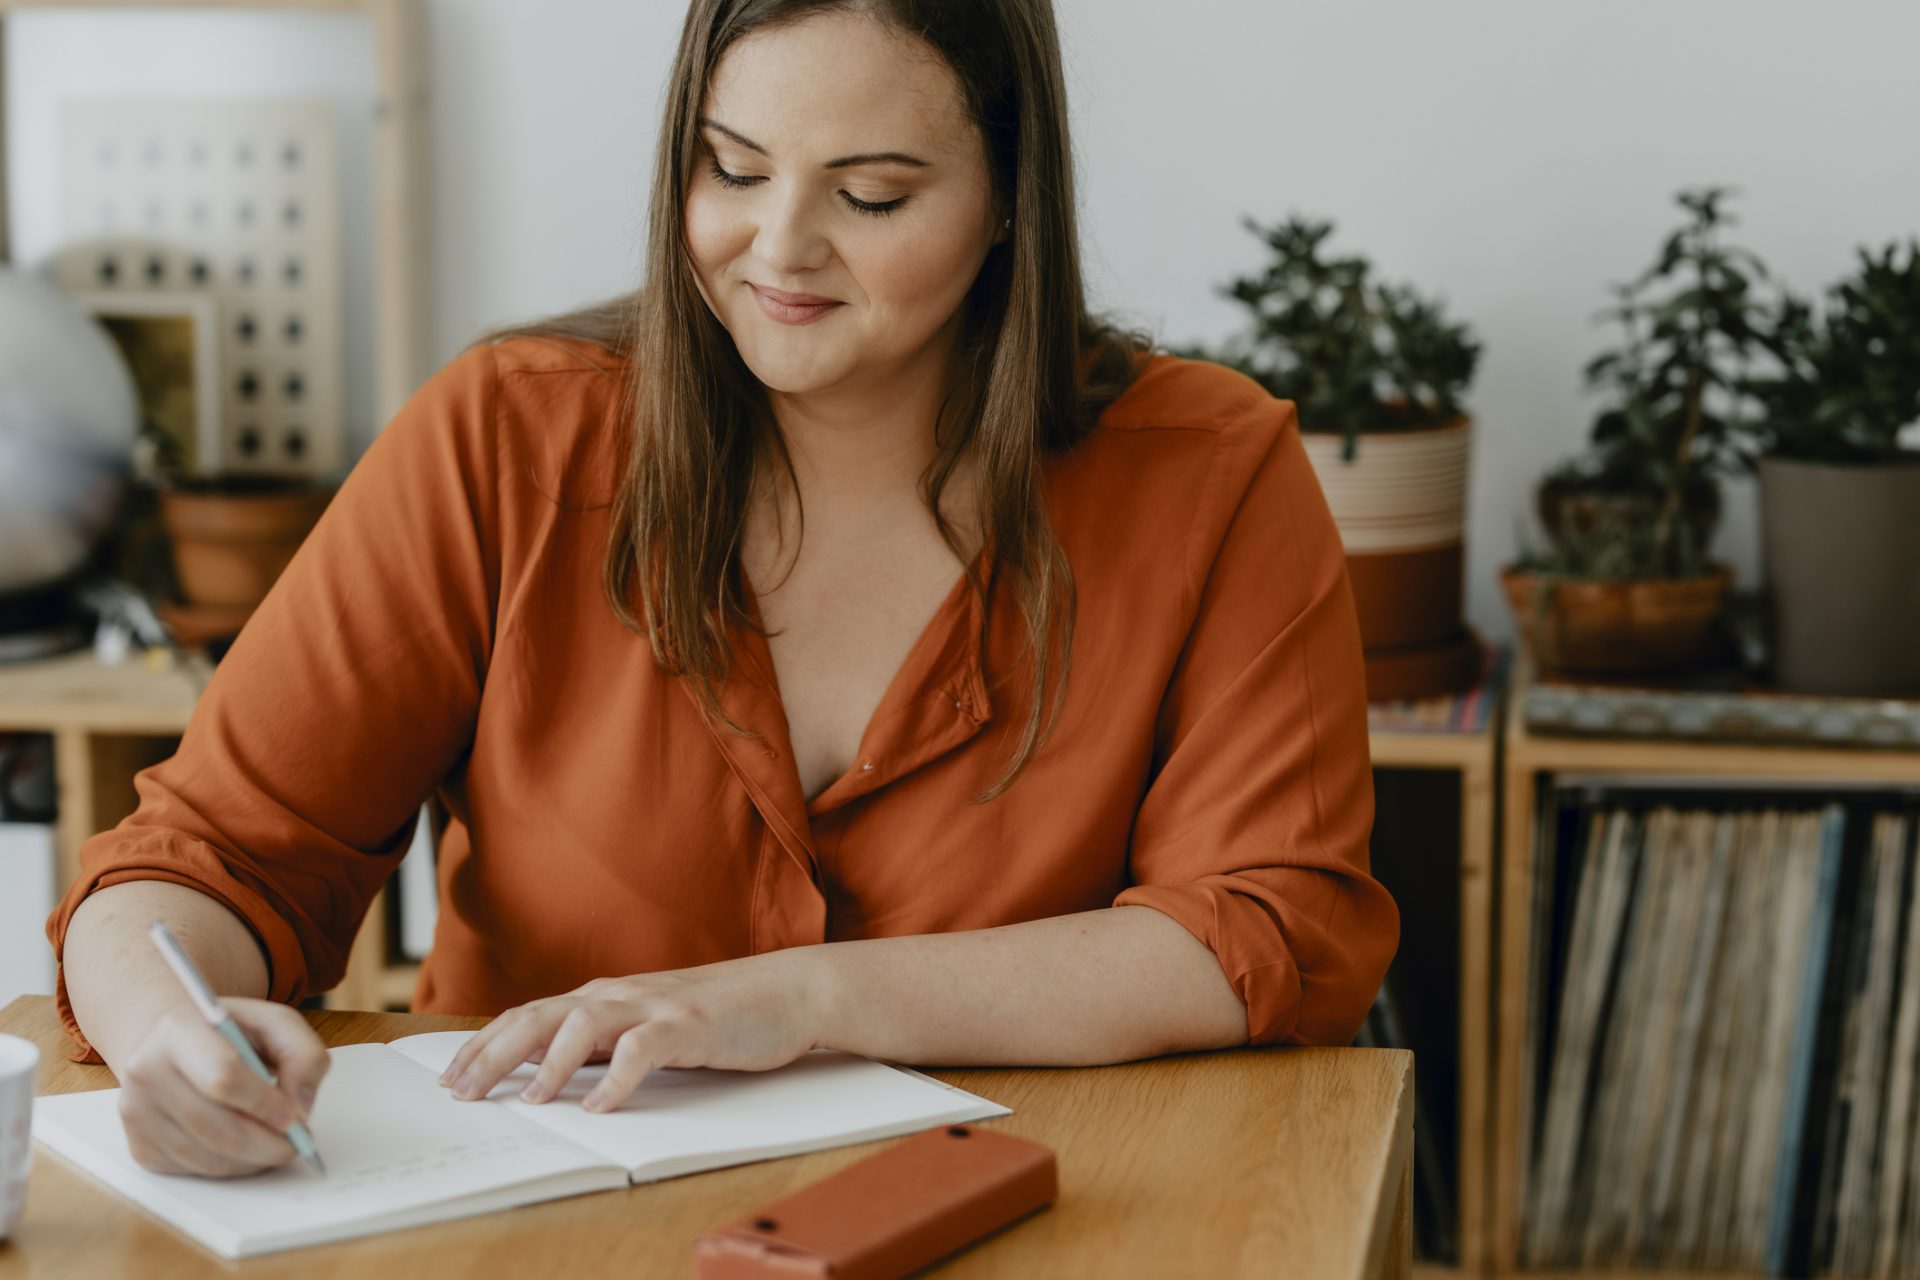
pixel 866 766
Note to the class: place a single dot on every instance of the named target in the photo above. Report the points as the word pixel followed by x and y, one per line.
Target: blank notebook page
pixel 682 1118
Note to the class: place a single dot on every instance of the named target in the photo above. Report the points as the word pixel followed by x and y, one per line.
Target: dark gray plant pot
pixel 1842 546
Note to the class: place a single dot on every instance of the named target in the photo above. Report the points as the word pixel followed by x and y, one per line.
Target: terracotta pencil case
pixel 890 1214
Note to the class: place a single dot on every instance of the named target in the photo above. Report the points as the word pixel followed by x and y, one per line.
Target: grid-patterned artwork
pixel 239 199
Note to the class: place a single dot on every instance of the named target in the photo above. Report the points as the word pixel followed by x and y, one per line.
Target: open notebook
pixel 400 1150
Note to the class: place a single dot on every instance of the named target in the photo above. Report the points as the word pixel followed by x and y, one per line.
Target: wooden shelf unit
pixel 1529 758
pixel 107 724
pixel 1474 758
pixel 110 722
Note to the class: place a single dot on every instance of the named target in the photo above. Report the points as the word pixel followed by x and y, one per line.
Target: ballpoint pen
pixel 211 1009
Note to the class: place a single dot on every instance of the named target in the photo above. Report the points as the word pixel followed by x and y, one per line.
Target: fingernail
pixel 307 1096
pixel 596 1101
pixel 533 1092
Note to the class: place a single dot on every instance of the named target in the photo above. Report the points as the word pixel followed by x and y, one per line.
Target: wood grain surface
pixel 1238 1163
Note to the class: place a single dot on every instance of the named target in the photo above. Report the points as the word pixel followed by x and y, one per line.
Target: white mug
pixel 19 1066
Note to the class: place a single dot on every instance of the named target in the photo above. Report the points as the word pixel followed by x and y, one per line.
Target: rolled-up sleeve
pixel 351 692
pixel 1253 830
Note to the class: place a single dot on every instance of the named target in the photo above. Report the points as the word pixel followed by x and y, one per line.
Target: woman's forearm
pixel 1101 986
pixel 116 980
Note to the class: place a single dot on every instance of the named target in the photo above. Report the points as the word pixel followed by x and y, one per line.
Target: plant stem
pixel 1663 530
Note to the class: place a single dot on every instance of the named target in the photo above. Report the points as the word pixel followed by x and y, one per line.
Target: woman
pixel 844 642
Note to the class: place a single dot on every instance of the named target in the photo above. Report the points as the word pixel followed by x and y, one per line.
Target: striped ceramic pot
pixel 1401 506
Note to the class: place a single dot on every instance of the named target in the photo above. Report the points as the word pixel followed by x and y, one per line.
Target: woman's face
pixel 838 163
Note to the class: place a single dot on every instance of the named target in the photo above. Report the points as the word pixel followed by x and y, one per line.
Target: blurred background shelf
pixel 108 722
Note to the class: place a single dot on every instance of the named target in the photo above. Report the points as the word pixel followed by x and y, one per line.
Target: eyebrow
pixel 844 162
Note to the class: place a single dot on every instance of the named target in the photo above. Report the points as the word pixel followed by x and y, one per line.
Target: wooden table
pixel 1244 1162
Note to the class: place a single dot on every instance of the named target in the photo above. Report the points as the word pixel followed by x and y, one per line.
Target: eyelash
pixel 735 181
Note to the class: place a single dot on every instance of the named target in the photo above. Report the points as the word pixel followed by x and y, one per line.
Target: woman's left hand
pixel 750 1014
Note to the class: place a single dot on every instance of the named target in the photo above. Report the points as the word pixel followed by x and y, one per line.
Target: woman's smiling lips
pixel 792 308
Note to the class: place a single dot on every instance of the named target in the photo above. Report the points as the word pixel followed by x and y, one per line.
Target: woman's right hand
pixel 190 1105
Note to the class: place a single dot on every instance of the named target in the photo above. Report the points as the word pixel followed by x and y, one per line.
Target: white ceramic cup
pixel 19 1065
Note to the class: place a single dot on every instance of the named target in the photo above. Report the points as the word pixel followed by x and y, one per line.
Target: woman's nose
pixel 790 239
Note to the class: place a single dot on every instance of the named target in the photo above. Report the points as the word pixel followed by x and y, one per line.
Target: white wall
pixel 1512 156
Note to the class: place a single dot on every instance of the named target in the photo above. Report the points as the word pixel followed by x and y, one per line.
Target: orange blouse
pixel 444 627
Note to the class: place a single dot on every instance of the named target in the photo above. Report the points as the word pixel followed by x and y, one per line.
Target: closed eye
pixel 735 181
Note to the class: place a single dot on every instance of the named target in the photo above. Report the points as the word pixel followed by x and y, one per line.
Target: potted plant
pixel 231 534
pixel 1839 494
pixel 1360 358
pixel 1626 582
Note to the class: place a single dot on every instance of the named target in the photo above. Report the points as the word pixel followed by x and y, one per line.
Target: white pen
pixel 214 1012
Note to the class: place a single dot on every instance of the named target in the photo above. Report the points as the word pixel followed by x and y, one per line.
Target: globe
pixel 68 420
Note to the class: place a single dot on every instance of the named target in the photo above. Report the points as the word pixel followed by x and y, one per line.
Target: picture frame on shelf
pixel 170 342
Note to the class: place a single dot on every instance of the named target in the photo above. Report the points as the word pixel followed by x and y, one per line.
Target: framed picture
pixel 171 345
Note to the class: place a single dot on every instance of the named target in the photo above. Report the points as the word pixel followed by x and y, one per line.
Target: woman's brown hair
pixel 1035 369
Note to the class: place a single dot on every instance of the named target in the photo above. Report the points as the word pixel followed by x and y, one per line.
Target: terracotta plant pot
pixel 1621 627
pixel 230 544
pixel 1843 561
pixel 1401 506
